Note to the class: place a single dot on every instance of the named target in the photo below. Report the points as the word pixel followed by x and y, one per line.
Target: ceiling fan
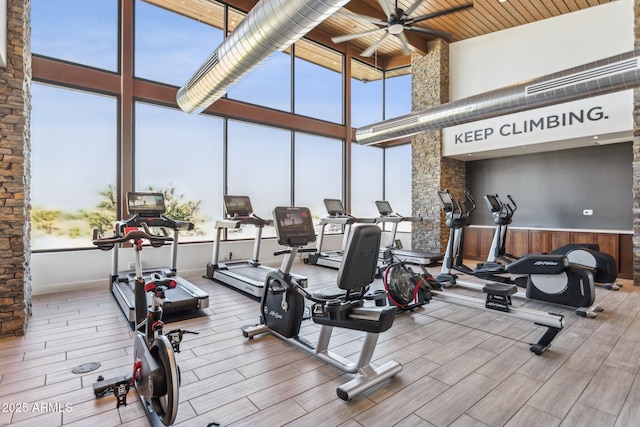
pixel 397 21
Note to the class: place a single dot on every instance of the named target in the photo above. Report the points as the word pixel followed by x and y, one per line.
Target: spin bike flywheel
pixel 166 406
pixel 398 283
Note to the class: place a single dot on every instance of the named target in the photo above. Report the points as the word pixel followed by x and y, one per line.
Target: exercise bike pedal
pixel 118 386
pixel 175 337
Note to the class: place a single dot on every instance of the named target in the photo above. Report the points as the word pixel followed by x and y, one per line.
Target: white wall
pixel 511 56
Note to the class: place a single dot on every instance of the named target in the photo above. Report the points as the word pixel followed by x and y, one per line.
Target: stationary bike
pixel 156 375
pixel 283 303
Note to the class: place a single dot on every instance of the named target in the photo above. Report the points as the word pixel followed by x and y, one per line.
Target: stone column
pixel 15 107
pixel 430 171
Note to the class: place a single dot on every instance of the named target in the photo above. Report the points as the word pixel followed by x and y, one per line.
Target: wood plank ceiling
pixel 486 16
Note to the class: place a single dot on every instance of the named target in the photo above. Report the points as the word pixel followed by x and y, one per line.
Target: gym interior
pixel 91 118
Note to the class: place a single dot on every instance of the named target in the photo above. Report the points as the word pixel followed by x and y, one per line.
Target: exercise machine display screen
pixel 493 203
pixel 236 206
pixel 334 207
pixel 444 197
pixel 294 226
pixel 384 207
pixel 145 203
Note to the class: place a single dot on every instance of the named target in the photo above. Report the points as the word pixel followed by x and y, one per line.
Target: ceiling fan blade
pixel 369 51
pixel 387 8
pixel 347 37
pixel 413 7
pixel 363 18
pixel 436 14
pixel 406 47
pixel 437 33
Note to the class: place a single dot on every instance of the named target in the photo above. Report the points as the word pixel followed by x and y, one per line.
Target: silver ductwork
pixel 608 75
pixel 270 26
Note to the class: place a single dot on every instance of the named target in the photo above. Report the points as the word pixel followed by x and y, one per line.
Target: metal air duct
pixel 270 26
pixel 596 78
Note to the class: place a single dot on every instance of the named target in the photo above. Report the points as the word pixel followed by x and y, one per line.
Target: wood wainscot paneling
pixel 523 241
pixel 471 248
pixel 625 256
pixel 518 243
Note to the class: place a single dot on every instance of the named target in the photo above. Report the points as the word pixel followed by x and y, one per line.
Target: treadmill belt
pixel 254 273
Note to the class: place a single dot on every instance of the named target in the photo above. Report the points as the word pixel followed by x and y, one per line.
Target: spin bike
pixel 156 375
pixel 283 302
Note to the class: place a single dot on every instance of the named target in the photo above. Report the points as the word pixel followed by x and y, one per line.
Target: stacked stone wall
pixel 430 171
pixel 15 278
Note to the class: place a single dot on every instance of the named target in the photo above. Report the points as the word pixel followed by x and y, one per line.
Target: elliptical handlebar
pixel 469 203
pixel 107 243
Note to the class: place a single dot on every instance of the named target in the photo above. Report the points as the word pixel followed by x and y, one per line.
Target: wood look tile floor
pixel 461 367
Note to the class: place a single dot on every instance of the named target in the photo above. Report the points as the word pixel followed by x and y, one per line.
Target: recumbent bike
pixel 156 375
pixel 283 303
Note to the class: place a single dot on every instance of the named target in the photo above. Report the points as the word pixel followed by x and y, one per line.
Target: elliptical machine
pixel 549 278
pixel 586 255
pixel 283 302
pixel 545 277
pixel 156 375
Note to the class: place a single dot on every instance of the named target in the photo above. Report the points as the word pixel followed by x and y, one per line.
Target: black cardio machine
pixel 283 303
pixel 246 275
pixel 400 254
pixel 337 217
pixel 545 277
pixel 155 375
pixel 149 208
pixel 587 255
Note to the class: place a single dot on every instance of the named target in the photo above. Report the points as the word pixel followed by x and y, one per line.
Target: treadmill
pixel 149 208
pixel 404 255
pixel 246 275
pixel 337 215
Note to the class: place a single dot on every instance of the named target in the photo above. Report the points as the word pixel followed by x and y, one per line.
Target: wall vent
pixel 584 76
pixel 206 67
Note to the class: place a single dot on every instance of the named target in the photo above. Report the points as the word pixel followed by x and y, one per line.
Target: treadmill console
pixel 334 207
pixel 237 206
pixel 294 226
pixel 145 204
pixel 384 208
pixel 493 203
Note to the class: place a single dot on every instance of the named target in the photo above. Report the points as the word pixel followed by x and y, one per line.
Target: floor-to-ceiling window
pixel 397 93
pixel 194 159
pixel 259 166
pixel 169 47
pixel 318 172
pixel 366 180
pixel 73 166
pixel 366 94
pixel 80 31
pixel 397 181
pixel 318 82
pixel 180 155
